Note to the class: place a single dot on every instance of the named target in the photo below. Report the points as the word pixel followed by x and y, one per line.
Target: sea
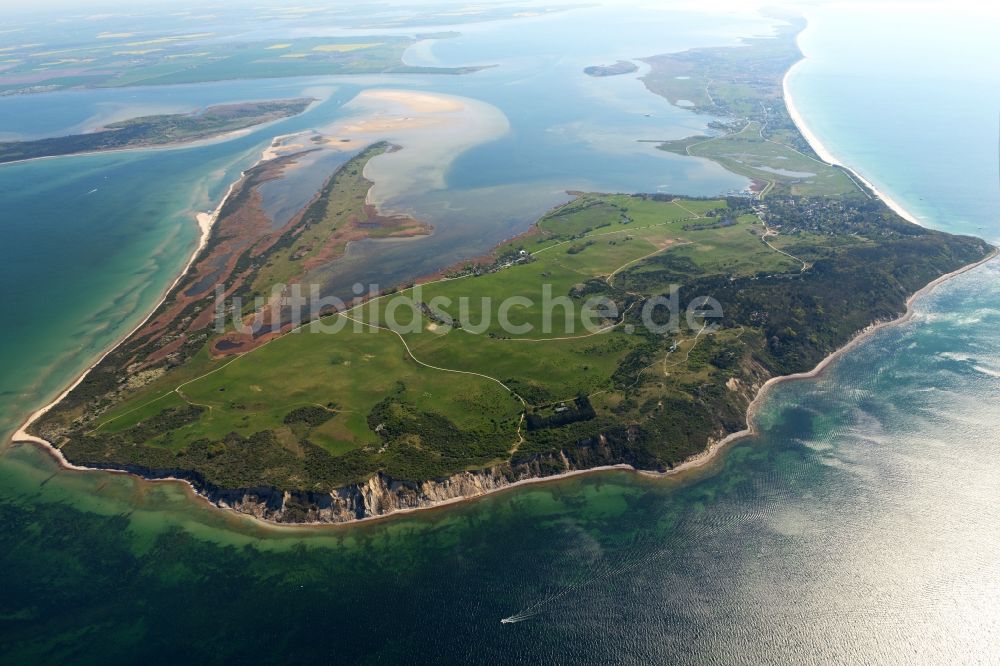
pixel 862 524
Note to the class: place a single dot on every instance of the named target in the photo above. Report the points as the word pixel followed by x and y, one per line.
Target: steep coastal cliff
pixel 382 495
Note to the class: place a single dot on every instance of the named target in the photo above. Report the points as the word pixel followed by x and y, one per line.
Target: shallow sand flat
pixel 418 101
pixel 279 149
pixel 383 124
pixel 432 130
pixel 283 145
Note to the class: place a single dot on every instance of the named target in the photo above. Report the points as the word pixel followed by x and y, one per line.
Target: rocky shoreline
pixel 382 496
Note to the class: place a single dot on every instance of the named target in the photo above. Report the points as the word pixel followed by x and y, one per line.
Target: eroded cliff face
pixel 381 495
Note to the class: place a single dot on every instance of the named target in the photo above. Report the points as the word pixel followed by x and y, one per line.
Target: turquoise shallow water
pixel 862 525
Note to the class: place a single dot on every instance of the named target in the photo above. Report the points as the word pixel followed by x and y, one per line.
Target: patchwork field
pixel 123 60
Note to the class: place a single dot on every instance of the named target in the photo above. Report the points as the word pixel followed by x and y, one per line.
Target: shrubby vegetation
pixel 561 414
pixel 421 444
pixel 156 130
pixel 310 415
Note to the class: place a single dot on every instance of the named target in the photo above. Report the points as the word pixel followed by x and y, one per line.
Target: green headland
pixel 474 386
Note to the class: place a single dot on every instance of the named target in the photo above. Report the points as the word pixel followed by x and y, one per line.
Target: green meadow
pixel 748 153
pixel 571 346
pixel 456 361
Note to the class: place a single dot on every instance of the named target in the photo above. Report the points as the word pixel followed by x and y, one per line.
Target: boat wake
pixel 513 619
pixel 613 569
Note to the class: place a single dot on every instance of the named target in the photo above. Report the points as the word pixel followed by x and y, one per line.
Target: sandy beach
pixel 692 464
pixel 825 154
pixel 410 102
pixel 205 223
pixel 714 448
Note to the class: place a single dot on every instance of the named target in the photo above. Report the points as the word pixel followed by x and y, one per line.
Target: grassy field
pixel 347 373
pixel 436 390
pixel 476 376
pixel 426 381
pixel 781 166
pixel 622 229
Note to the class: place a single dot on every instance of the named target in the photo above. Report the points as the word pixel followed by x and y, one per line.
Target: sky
pixel 34 11
pixel 85 6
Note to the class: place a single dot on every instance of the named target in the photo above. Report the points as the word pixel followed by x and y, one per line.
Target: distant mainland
pixel 159 130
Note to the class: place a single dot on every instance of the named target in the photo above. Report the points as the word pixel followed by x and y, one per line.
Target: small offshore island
pixel 161 130
pixel 369 420
pixel 620 67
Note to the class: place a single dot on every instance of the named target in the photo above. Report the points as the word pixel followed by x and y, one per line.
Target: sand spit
pixel 432 129
pixel 205 223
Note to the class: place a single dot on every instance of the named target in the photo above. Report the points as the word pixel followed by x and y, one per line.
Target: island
pixel 160 130
pixel 200 57
pixel 620 67
pixel 672 314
